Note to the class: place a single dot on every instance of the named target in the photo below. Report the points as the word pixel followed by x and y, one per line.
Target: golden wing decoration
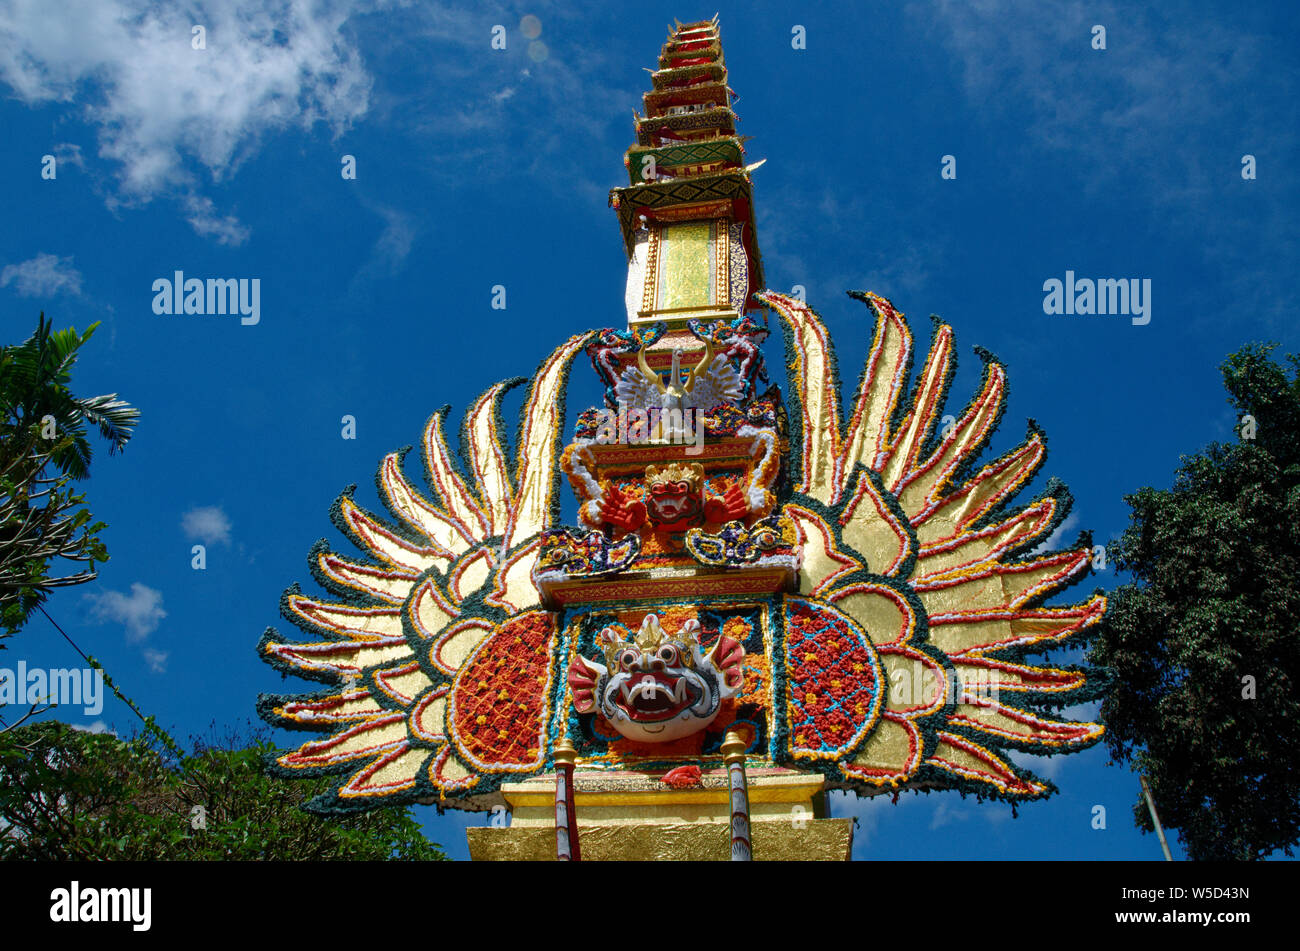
pixel 437 666
pixel 931 563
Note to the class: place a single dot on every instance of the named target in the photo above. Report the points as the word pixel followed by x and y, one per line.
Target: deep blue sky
pixel 479 167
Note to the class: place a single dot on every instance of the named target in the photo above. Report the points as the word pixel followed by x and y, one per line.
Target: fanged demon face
pixel 657 687
pixel 674 495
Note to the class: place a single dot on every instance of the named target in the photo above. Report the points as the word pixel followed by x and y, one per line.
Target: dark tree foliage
pixel 1204 644
pixel 68 794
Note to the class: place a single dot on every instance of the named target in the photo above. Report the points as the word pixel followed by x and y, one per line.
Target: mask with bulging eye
pixel 657 687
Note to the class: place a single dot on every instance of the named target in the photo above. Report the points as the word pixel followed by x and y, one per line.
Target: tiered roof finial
pixel 688 175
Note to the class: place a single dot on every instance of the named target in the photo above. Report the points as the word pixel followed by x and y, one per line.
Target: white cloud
pixel 99 726
pixel 162 108
pixel 1050 767
pixel 208 524
pixel 867 810
pixel 140 612
pixel 1083 712
pixel 42 276
pixel 1059 539
pixel 1046 767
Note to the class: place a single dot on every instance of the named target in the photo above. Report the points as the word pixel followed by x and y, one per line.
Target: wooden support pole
pixel 733 755
pixel 567 846
pixel 1151 804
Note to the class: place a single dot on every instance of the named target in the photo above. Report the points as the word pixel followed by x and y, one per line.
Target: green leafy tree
pixel 67 794
pixel 44 448
pixel 1204 644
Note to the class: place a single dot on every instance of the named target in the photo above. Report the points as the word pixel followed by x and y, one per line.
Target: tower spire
pixel 688 215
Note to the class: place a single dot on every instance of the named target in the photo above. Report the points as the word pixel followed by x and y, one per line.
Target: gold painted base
pixel 635 817
pixel 826 840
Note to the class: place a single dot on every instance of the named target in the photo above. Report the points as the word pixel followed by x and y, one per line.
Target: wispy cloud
pixel 1167 110
pixel 946 814
pixel 208 524
pixel 586 93
pixel 784 222
pixel 42 276
pixel 395 240
pixel 67 153
pixel 164 110
pixel 391 248
pixel 1158 77
pixel 203 217
pixel 140 612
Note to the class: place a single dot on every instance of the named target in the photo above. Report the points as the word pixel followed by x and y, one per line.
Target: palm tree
pixel 34 392
pixel 43 425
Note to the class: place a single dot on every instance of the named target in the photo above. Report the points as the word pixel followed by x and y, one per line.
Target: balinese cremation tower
pixel 763 600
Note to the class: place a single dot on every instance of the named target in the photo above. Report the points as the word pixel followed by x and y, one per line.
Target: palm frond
pixel 115 418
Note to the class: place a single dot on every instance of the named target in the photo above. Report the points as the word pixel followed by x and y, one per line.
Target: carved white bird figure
pixel 712 381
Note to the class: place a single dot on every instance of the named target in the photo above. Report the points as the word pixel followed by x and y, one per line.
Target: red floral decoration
pixel 499 700
pixel 834 681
